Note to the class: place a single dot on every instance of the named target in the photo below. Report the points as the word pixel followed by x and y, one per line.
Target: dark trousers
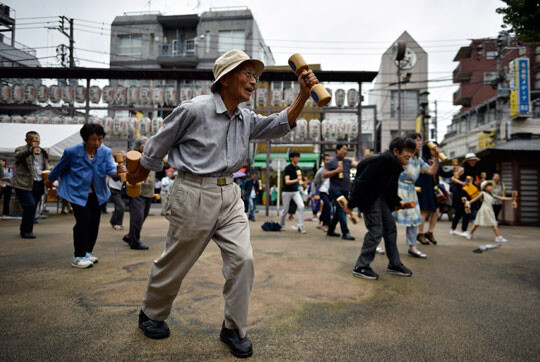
pixel 339 213
pixel 326 212
pixel 459 212
pixel 139 207
pixel 496 210
pixel 6 194
pixel 117 217
pixel 29 201
pixel 380 224
pixel 85 231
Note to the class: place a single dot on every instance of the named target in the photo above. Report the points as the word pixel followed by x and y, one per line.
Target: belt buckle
pixel 222 181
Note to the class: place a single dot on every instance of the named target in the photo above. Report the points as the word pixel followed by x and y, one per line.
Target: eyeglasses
pixel 251 74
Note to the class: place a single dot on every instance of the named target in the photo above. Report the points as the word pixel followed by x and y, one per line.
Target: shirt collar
pixel 220 106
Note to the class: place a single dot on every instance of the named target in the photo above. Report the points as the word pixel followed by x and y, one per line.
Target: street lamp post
pixel 425 114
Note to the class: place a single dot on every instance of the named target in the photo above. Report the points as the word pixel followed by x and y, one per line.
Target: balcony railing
pixel 184 49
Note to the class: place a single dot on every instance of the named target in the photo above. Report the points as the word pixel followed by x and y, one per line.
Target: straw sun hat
pixel 229 61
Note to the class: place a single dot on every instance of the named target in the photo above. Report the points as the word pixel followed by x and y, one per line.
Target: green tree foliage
pixel 522 17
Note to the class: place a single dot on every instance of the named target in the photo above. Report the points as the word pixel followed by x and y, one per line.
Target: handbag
pixel 441 195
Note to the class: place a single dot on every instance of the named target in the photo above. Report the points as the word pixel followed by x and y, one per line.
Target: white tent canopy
pixel 54 137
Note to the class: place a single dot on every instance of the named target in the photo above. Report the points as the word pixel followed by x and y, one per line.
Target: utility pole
pixel 399 97
pixel 502 42
pixel 62 29
pixel 435 123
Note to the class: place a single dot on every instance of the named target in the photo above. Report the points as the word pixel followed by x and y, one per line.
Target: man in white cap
pixel 206 140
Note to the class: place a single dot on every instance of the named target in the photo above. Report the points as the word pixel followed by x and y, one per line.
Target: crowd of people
pixel 202 201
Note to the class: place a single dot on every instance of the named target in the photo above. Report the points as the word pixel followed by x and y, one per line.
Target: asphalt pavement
pixel 305 304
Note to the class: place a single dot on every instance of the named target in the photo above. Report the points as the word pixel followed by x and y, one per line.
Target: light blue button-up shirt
pixel 78 173
pixel 200 137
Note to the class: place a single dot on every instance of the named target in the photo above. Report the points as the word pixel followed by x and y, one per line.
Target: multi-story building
pixel 185 41
pixel 484 95
pixel 499 118
pixel 413 86
pixel 152 40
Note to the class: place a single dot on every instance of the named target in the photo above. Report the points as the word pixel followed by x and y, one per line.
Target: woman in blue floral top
pixel 411 218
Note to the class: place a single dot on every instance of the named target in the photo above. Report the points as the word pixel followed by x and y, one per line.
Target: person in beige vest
pixel 30 162
pixel 206 139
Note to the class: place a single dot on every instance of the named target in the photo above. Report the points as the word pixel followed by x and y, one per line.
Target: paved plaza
pixel 305 304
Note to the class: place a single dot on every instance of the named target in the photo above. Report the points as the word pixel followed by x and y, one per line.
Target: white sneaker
pixel 463 233
pixel 294 227
pixel 470 237
pixel 454 232
pixel 379 250
pixel 92 258
pixel 302 231
pixel 81 262
pixel 500 239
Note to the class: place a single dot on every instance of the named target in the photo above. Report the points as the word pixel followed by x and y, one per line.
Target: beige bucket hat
pixel 229 61
pixel 470 156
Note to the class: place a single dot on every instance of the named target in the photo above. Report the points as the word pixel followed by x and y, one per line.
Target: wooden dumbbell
pixel 342 201
pixel 133 158
pixel 319 94
pixel 466 205
pixel 340 164
pixel 455 164
pixel 367 153
pixel 406 205
pixel 36 150
pixel 418 189
pixel 442 156
pixel 119 158
pixel 514 201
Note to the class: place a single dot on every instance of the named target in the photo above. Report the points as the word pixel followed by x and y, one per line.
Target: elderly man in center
pixel 206 140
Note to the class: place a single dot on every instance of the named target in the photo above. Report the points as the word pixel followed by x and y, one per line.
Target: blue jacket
pixel 77 173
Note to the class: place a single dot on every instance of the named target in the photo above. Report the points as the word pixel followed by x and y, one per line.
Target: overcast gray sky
pixel 339 34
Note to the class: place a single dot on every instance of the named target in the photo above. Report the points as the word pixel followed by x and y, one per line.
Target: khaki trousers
pixel 200 210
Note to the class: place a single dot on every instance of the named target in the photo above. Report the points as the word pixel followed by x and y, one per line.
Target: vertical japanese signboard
pixel 520 95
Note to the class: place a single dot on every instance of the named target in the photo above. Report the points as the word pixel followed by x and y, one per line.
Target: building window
pixel 207 41
pixel 490 77
pixel 452 154
pixel 262 53
pixel 537 80
pixel 491 54
pixel 409 101
pixel 231 39
pixel 472 149
pixel 130 44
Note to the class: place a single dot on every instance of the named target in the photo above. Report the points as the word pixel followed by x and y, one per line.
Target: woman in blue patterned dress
pixel 411 218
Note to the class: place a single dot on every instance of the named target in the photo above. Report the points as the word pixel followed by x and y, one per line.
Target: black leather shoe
pixel 126 239
pixel 153 329
pixel 138 246
pixel 332 233
pixel 240 347
pixel 28 236
pixel 347 237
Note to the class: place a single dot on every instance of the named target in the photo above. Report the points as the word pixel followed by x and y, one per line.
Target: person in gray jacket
pixel 30 161
pixel 139 206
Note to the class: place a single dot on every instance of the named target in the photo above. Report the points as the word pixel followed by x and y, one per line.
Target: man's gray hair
pixel 139 142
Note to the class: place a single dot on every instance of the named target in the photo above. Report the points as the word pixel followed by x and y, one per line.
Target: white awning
pixel 54 137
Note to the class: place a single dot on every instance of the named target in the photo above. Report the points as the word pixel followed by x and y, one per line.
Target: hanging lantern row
pixel 112 95
pixel 328 129
pixel 120 127
pixel 279 98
